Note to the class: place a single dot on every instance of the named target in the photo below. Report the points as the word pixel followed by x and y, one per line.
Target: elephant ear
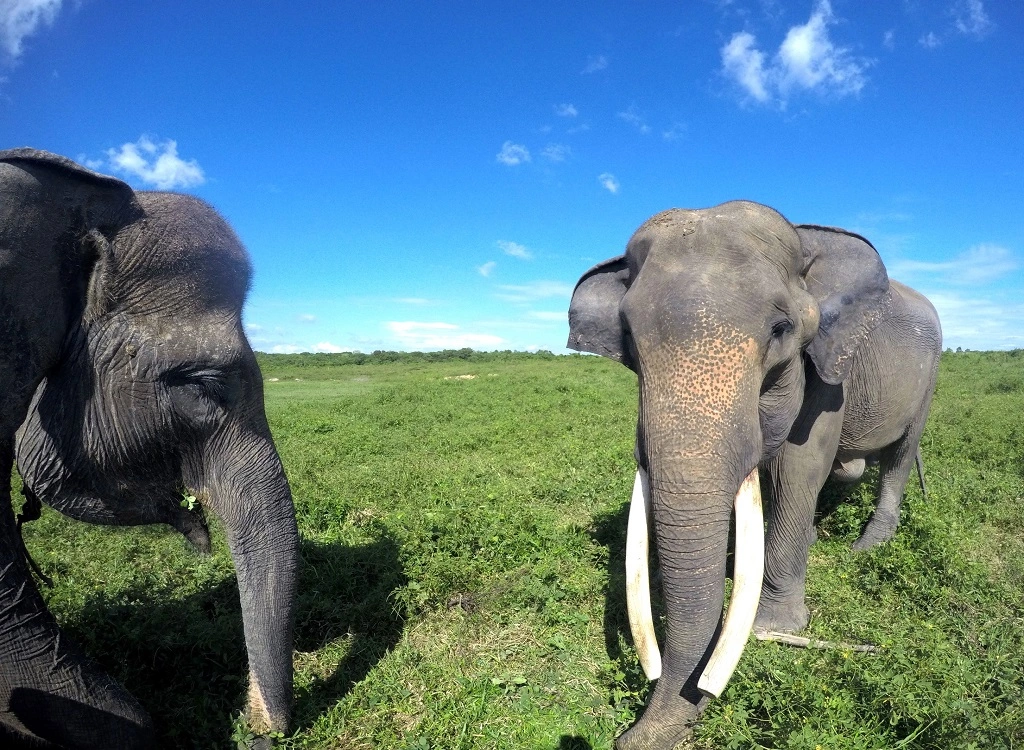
pixel 846 276
pixel 104 201
pixel 83 209
pixel 594 322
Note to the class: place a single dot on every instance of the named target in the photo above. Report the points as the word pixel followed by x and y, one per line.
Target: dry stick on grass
pixel 801 642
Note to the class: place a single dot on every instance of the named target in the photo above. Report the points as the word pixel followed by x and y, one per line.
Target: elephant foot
pixel 880 528
pixel 782 617
pixel 654 735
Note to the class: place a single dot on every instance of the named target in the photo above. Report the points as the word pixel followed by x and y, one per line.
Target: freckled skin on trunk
pixel 690 395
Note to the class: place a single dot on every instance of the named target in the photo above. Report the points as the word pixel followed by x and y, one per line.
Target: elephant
pixel 759 346
pixel 128 380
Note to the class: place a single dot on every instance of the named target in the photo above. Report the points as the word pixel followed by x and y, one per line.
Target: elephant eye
pixel 781 328
pixel 205 385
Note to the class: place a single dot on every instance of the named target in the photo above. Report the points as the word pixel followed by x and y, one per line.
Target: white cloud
pixel 974 323
pixel 807 60
pixel 566 110
pixel 512 154
pixel 555 152
pixel 546 315
pixel 608 182
pixel 744 63
pixel 514 249
pixel 329 348
pixel 486 268
pixel 980 264
pixel 674 133
pixel 418 336
pixel 930 40
pixel 595 63
pixel 285 349
pixel 20 19
pixel 635 119
pixel 307 318
pixel 411 300
pixel 156 164
pixel 889 39
pixel 971 19
pixel 534 291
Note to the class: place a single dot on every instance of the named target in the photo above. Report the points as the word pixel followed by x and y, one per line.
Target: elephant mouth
pixel 748 574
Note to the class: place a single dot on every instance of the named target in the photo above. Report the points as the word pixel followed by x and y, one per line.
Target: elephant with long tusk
pixel 760 347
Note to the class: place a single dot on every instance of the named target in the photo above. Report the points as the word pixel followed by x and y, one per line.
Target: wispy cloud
pixel 970 18
pixel 595 63
pixel 978 323
pixel 416 335
pixel 807 60
pixel 930 40
pixel 156 164
pixel 411 300
pixel 20 19
pixel 512 154
pixel 487 268
pixel 533 291
pixel 555 152
pixel 328 347
pixel 307 318
pixel 566 110
pixel 635 119
pixel 675 132
pixel 608 182
pixel 558 316
pixel 514 249
pixel 981 264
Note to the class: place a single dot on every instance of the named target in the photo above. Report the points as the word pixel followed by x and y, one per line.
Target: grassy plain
pixel 462 574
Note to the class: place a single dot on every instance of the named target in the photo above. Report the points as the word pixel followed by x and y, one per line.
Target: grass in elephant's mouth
pixel 462 582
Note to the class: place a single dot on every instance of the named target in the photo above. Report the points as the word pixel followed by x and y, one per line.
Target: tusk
pixel 638 582
pixel 748 573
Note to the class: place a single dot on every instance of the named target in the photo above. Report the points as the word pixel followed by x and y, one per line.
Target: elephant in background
pixel 122 357
pixel 757 344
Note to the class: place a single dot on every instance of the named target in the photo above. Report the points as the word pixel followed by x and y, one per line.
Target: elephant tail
pixel 920 471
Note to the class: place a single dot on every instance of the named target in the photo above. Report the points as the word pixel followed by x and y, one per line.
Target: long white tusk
pixel 748 573
pixel 638 582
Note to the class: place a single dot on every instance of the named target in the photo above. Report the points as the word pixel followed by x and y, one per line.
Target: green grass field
pixel 462 574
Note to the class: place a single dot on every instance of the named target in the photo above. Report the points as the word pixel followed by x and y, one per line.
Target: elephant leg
pixel 797 475
pixel 49 691
pixel 894 466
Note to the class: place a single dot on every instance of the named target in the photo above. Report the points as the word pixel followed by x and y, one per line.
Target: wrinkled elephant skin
pixel 123 360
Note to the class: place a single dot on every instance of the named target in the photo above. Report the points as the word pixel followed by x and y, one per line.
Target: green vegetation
pixel 462 574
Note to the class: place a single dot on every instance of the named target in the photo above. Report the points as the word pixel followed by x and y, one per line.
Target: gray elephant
pixel 123 359
pixel 756 344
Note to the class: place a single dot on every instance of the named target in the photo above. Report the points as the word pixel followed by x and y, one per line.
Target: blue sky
pixel 425 175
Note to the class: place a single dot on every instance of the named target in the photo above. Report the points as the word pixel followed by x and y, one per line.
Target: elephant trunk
pixel 748 573
pixel 254 503
pixel 692 535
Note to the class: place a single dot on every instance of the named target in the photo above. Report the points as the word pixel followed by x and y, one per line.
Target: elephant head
pixel 150 392
pixel 723 313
